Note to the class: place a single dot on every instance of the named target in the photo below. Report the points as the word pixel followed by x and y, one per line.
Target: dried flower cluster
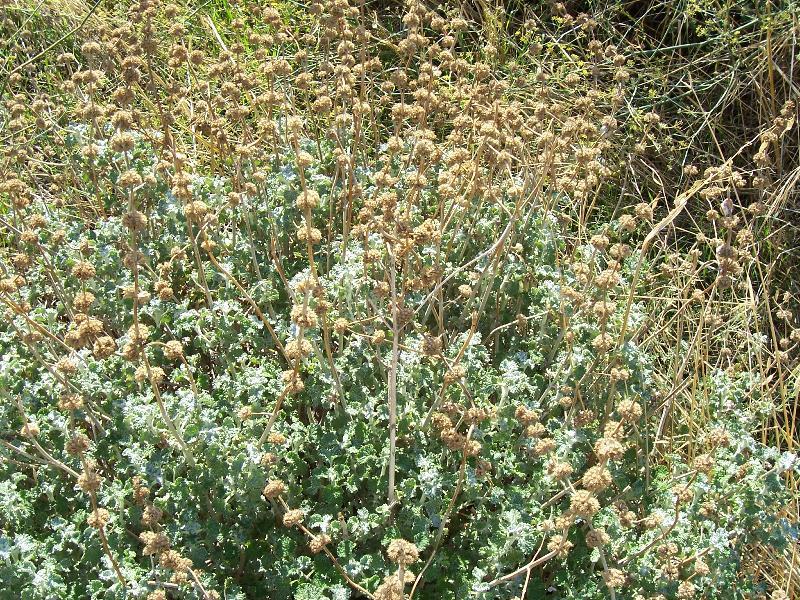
pixel 300 297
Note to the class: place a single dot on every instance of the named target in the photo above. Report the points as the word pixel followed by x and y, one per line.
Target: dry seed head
pixel 340 325
pixel 704 463
pixel 683 493
pixel 627 222
pixel 77 445
pixel 627 518
pixel 544 446
pixel 560 545
pixel 195 210
pixel 293 517
pixel 701 568
pixel 304 316
pixel 274 489
pixel 431 345
pixel 559 470
pixel 476 415
pixel 157 375
pixel 122 119
pixel 298 348
pixel 686 590
pixel 89 481
pixel 122 142
pixel 88 326
pixel 607 279
pixel 70 402
pixel 318 542
pixel 173 350
pixel 617 374
pixel 22 262
pixel 596 479
pixel 164 291
pixel 134 220
pixel 583 504
pixel 718 437
pixel 653 521
pixel 603 343
pixel 8 285
pixel 29 237
pixel 73 339
pixel 151 516
pixel 472 447
pixel 607 448
pixel 276 438
pixel 129 179
pixel 535 430
pixel 390 589
pixel 104 347
pixel 138 333
pixel 174 561
pixel 614 578
pixel 308 200
pixel 644 211
pixel 441 421
pixel 307 233
pixel 98 518
pixel 83 270
pixel 600 241
pixel 133 258
pixel 629 410
pixel 597 538
pixel 67 366
pixel 455 373
pixel 566 401
pixel 268 459
pixel 293 382
pixel 452 439
pixel 402 552
pixel 525 415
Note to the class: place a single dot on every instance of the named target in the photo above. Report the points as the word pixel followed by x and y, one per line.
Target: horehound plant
pixel 296 306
